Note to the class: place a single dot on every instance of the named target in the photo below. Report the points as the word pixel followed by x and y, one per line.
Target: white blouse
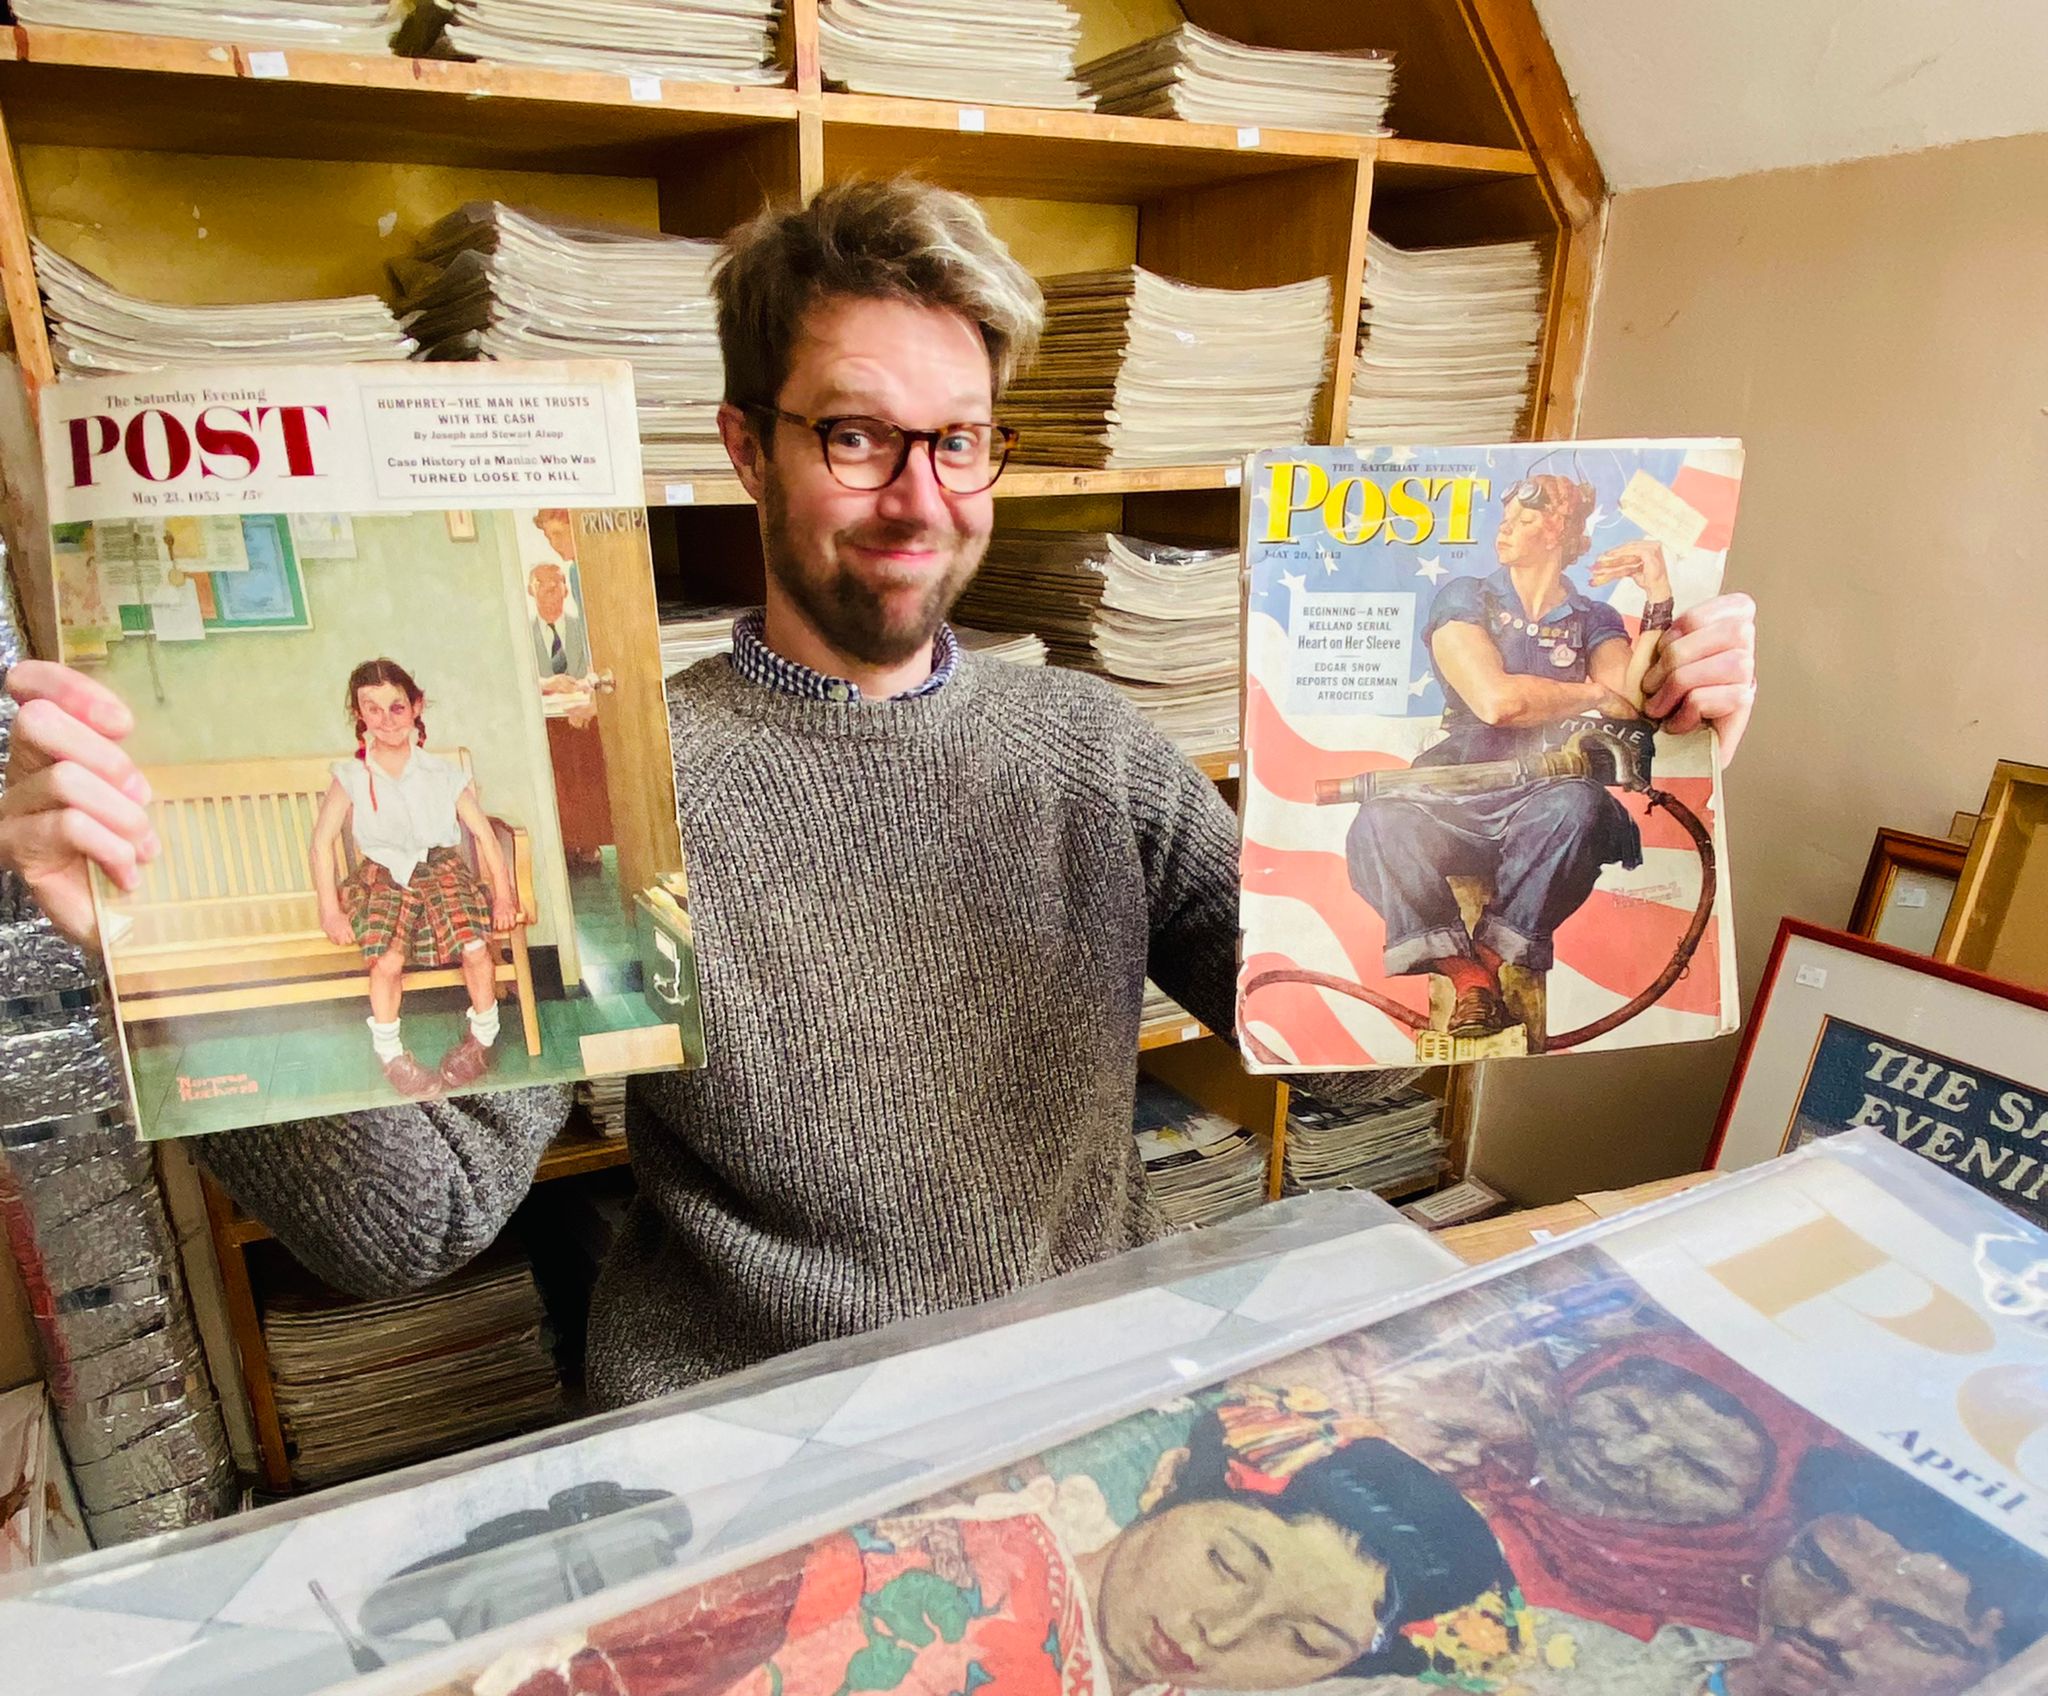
pixel 412 812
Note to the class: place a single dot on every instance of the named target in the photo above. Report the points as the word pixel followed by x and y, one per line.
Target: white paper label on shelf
pixel 1813 977
pixel 1188 1033
pixel 1233 475
pixel 1248 135
pixel 1230 768
pixel 679 494
pixel 973 119
pixel 644 87
pixel 268 64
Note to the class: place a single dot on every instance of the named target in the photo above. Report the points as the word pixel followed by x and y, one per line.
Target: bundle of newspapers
pixel 1769 1438
pixel 1201 1166
pixel 96 329
pixel 729 41
pixel 1020 53
pixel 490 282
pixel 340 26
pixel 1161 622
pixel 1447 343
pixel 1160 1016
pixel 1137 370
pixel 1395 1145
pixel 1205 78
pixel 366 1385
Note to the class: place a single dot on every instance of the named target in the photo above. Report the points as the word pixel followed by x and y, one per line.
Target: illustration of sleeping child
pixel 412 900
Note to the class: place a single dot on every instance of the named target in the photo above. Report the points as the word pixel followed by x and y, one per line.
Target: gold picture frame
pixel 1909 884
pixel 1998 921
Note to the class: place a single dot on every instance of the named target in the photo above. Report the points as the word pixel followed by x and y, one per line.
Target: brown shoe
pixel 1480 1012
pixel 463 1064
pixel 409 1077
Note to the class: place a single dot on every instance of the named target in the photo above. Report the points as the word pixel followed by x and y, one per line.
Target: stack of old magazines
pixel 364 1385
pixel 1205 78
pixel 1137 370
pixel 340 26
pixel 95 328
pixel 489 282
pixel 693 633
pixel 1161 1017
pixel 1200 1166
pixel 732 41
pixel 1020 53
pixel 1395 1146
pixel 1447 342
pixel 1160 622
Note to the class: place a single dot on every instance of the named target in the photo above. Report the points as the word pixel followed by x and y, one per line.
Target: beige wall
pixel 1877 333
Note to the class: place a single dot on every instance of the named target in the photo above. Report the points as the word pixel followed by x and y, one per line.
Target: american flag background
pixel 1298 909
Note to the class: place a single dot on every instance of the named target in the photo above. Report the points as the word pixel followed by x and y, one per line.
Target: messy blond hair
pixel 903 239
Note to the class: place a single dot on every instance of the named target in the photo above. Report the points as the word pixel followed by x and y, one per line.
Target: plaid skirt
pixel 434 916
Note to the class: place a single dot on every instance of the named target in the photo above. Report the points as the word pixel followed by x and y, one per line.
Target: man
pixel 927 887
pixel 561 649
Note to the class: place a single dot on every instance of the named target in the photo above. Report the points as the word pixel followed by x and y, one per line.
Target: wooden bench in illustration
pixel 226 919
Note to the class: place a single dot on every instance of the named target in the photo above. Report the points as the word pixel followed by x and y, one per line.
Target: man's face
pixel 1654 1449
pixel 550 591
pixel 874 571
pixel 1848 1608
pixel 1224 1595
pixel 560 534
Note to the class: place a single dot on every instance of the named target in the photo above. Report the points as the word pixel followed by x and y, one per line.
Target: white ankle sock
pixel 484 1026
pixel 384 1039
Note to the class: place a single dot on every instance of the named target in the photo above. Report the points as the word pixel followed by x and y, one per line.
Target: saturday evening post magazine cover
pixel 388 632
pixel 1462 837
pixel 1780 1436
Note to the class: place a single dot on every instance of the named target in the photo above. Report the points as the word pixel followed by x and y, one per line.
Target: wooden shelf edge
pixel 1170 1036
pixel 1043 123
pixel 1456 156
pixel 474 79
pixel 571 1156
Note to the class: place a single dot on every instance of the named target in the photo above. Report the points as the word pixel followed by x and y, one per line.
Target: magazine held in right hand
pixel 388 633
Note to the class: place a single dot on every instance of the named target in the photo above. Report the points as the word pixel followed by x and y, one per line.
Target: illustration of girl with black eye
pixel 413 900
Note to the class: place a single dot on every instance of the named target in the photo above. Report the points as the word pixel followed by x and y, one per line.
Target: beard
pixel 854 618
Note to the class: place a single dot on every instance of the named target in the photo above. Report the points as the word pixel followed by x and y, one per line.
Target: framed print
pixel 269 594
pixel 1949 1064
pixel 1906 889
pixel 1998 922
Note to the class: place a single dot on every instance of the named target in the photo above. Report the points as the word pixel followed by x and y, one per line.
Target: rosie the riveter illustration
pixel 1523 657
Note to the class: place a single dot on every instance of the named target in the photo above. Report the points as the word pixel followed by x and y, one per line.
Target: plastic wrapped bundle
pixel 81 1212
pixel 1764 1436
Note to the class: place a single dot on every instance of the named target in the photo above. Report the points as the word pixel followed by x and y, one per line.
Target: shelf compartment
pixel 150 94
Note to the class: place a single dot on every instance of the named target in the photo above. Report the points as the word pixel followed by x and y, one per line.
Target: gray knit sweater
pixel 923 928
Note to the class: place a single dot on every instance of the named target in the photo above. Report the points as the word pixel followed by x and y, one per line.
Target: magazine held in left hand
pixel 389 636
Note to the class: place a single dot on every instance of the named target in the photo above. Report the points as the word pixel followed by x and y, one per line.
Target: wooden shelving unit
pixel 306 172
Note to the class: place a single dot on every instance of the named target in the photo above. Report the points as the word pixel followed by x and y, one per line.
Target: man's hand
pixel 73 798
pixel 1642 560
pixel 1705 671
